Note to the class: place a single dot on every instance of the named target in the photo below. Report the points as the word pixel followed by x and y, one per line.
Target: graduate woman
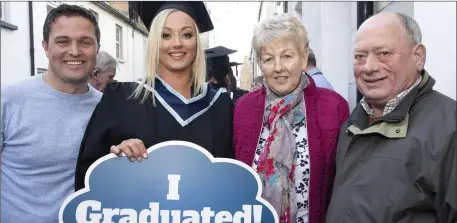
pixel 219 71
pixel 170 102
pixel 218 67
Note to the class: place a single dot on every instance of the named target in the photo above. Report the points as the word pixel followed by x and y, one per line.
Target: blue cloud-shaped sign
pixel 178 182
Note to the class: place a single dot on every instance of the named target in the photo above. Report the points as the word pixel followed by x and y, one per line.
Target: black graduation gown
pixel 205 120
pixel 238 93
pixel 235 94
pixel 232 94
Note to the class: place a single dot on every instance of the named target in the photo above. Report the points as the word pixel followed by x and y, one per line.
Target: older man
pixel 257 83
pixel 396 159
pixel 104 72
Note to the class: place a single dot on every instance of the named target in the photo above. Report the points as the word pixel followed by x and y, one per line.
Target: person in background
pixel 315 73
pixel 218 67
pixel 44 118
pixel 257 83
pixel 397 155
pixel 171 102
pixel 104 72
pixel 288 129
pixel 238 92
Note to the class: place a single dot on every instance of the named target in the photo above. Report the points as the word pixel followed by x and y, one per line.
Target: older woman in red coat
pixel 287 130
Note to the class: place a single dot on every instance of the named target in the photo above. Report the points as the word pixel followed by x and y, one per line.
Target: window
pixel 119 43
pixel 5 19
pixel 1 10
pixel 95 14
pixel 5 11
pixel 49 8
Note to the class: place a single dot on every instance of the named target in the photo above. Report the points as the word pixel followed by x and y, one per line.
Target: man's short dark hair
pixel 311 58
pixel 69 10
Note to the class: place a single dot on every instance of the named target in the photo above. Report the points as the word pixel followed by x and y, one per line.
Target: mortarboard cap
pixel 218 62
pixel 218 52
pixel 148 10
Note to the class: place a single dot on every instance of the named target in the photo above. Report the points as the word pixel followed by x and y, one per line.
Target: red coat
pixel 326 111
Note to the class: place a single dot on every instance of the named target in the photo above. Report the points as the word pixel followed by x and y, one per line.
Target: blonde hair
pixel 152 59
pixel 277 27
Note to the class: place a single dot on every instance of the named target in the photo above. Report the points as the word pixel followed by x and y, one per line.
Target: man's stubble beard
pixel 82 80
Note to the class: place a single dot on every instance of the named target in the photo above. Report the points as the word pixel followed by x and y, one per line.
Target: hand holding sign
pixel 132 148
pixel 179 182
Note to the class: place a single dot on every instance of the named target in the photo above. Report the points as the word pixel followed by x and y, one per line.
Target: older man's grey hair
pixel 278 27
pixel 411 27
pixel 105 61
pixel 311 58
pixel 258 80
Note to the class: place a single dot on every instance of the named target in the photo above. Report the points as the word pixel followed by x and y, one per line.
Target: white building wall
pixel 310 15
pixel 138 55
pixel 15 46
pixel 438 23
pixel 352 87
pixel 331 40
pixel 335 34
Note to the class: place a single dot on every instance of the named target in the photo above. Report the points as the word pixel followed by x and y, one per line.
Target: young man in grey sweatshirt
pixel 44 118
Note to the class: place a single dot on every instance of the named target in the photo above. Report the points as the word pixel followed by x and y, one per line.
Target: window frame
pixel 41 70
pixel 119 42
pixel 4 11
pixel 5 19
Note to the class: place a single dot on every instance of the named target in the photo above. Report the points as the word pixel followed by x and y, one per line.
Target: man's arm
pixel 445 179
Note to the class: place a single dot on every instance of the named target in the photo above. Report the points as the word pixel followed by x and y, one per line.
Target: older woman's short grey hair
pixel 105 61
pixel 412 29
pixel 279 27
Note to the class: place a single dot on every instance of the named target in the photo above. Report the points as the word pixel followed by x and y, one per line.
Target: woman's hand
pixel 132 148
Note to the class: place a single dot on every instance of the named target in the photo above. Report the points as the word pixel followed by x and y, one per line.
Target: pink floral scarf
pixel 277 161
